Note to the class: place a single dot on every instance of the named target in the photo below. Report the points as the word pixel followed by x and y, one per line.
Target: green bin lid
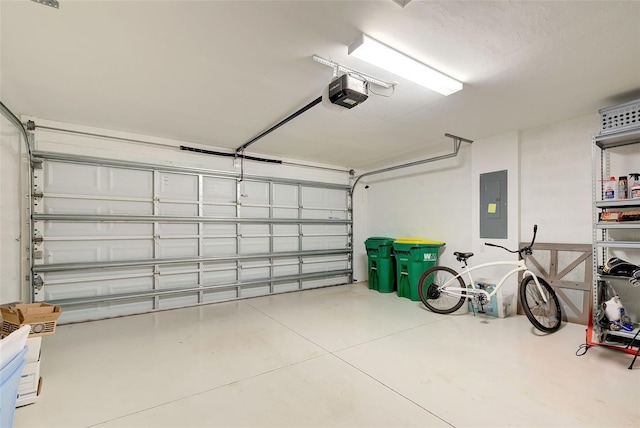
pixel 417 241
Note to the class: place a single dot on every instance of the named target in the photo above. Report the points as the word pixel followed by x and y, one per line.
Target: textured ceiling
pixel 217 73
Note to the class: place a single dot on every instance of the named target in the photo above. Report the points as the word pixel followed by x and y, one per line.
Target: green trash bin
pixel 414 257
pixel 382 273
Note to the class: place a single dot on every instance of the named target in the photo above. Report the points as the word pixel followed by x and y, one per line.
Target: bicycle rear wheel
pixel 547 316
pixel 435 298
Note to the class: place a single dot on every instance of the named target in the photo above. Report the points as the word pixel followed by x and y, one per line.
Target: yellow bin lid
pixel 417 241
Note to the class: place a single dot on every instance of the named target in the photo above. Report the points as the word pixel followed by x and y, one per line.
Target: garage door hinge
pixel 37 193
pixel 37 238
pixel 38 283
pixel 36 163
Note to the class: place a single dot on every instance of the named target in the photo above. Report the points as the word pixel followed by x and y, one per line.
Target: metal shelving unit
pixel 610 237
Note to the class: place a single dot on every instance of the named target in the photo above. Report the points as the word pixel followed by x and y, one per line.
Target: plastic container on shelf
pixel 381 264
pixel 623 187
pixel 413 257
pixel 634 188
pixel 610 187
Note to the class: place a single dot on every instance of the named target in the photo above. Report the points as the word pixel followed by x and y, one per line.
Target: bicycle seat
pixel 462 256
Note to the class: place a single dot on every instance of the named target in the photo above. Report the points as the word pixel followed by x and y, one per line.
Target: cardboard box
pixel 30 384
pixel 34 345
pixel 29 397
pixel 29 377
pixel 42 317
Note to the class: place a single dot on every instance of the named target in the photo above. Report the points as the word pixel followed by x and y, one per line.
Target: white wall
pixel 549 184
pixel 555 180
pixel 496 154
pixel 429 201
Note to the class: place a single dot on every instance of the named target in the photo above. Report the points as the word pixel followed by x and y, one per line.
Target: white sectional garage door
pixel 115 238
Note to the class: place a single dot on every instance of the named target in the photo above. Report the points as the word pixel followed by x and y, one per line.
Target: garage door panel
pixel 71 276
pixel 324 229
pixel 128 183
pixel 182 280
pixel 285 244
pixel 68 178
pixel 213 229
pixel 83 312
pixel 254 245
pixel 92 206
pixel 285 270
pixel 173 209
pixel 316 283
pixel 220 276
pixel 254 212
pixel 219 211
pixel 254 192
pixel 247 274
pixel 285 229
pixel 326 198
pixel 254 229
pixel 165 281
pixel 177 229
pixel 176 248
pixel 78 179
pixel 102 251
pixel 178 187
pixel 328 243
pixel 285 195
pixel 285 213
pixel 98 288
pixel 220 295
pixel 322 214
pixel 219 246
pixel 324 266
pixel 172 302
pixel 218 190
pixel 89 229
pixel 170 269
pixel 256 290
pixel 286 287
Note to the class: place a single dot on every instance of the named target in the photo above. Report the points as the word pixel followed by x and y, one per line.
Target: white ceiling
pixel 219 73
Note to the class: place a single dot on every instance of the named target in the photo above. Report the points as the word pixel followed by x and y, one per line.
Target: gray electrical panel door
pixel 493 205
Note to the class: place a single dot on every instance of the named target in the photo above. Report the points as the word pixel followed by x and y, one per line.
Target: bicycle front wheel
pixel 436 298
pixel 547 316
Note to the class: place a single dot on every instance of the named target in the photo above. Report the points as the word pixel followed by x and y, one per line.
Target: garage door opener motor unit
pixel 348 91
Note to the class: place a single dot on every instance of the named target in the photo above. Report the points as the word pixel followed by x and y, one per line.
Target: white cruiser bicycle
pixel 443 290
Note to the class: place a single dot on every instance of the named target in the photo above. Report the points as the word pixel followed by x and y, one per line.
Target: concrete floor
pixel 335 357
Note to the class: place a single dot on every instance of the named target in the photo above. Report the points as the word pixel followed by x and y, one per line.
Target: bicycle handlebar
pixel 526 250
pixel 535 231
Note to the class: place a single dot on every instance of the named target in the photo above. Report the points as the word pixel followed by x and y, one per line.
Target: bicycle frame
pixel 520 266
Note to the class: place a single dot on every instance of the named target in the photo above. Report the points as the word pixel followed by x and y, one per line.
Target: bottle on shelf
pixel 622 187
pixel 610 189
pixel 635 185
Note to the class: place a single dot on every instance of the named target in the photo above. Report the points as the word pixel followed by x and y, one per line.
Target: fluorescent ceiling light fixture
pixel 52 3
pixel 383 56
pixel 401 3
